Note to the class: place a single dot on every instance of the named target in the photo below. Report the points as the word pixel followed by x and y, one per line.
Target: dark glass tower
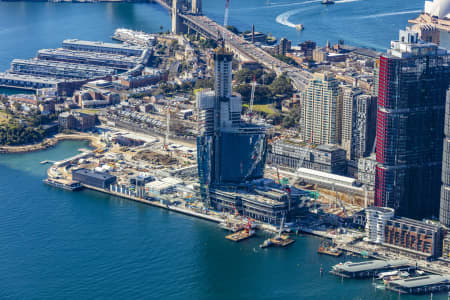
pixel 230 152
pixel 444 212
pixel 413 79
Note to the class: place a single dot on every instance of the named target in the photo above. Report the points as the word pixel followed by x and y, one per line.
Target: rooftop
pixel 37 79
pixel 61 65
pixel 421 281
pixel 89 55
pixel 93 174
pixel 384 210
pixel 102 44
pixel 370 265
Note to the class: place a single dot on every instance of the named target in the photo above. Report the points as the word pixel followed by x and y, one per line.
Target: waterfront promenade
pixel 50 142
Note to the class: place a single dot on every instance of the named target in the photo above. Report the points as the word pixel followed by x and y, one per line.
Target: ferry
pixel 326 2
pixel 63 184
pixel 299 27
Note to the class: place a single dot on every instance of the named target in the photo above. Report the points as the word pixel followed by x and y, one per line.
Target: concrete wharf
pixel 157 203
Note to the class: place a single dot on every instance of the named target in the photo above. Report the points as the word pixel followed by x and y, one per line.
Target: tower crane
pixel 166 138
pixel 252 99
pixel 227 6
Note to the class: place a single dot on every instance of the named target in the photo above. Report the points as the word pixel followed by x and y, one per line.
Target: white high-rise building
pixel 321 110
pixel 376 218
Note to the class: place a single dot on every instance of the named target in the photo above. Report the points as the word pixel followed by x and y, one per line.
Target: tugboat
pixel 329 250
pixel 326 2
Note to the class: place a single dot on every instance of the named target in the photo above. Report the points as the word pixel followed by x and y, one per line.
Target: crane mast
pixel 252 99
pixel 227 6
pixel 166 137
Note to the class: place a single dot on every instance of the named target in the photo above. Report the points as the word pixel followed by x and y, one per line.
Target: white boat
pixel 299 27
pixel 327 2
pixel 382 275
pixel 266 244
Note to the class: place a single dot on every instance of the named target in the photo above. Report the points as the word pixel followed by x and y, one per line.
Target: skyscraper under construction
pixel 413 79
pixel 230 151
pixel 232 156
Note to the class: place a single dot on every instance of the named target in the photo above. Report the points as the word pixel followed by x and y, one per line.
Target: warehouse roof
pixel 420 281
pixel 352 267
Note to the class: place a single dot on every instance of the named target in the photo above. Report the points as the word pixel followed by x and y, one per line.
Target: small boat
pixel 326 2
pixel 266 243
pixel 404 274
pixel 63 184
pixel 329 251
pixel 299 27
pixel 382 275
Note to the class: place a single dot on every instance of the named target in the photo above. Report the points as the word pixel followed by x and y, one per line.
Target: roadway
pixel 246 50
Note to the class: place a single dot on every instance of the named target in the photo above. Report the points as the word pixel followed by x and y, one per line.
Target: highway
pixel 248 51
pixel 245 50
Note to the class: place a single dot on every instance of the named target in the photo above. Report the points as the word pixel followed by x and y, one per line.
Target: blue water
pixel 368 23
pixel 26 27
pixel 87 245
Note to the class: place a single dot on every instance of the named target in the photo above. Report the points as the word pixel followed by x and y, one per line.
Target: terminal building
pixel 366 269
pixel 59 70
pixel 28 81
pixel 101 47
pixel 92 178
pixel 116 61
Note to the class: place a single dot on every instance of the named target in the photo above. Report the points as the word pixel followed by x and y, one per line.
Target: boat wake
pixel 282 5
pixel 406 12
pixel 283 19
pixel 346 1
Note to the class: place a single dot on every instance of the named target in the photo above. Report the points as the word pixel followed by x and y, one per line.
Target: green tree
pixel 282 86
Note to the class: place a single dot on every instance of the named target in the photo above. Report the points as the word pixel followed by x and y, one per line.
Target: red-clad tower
pixel 413 79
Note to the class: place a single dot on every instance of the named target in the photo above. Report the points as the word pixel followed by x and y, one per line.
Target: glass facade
pixel 410 127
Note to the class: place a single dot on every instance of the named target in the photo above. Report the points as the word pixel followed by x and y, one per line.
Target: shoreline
pixel 51 142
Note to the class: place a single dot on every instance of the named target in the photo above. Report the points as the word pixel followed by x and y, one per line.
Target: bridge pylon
pixel 196 7
pixel 177 22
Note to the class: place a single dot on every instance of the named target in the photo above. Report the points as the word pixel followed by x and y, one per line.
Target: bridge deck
pixel 247 51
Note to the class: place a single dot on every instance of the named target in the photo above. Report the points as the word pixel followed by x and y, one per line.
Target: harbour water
pixel 88 245
pixel 26 27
